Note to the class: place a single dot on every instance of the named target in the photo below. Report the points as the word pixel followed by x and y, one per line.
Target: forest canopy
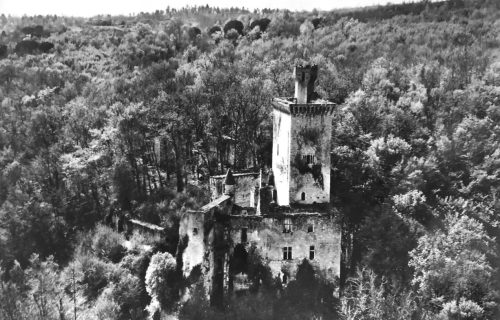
pixel 127 116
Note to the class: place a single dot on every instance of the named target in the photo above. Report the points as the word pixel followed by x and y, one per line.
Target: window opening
pixel 309 158
pixel 244 236
pixel 303 196
pixel 287 225
pixel 310 228
pixel 195 231
pixel 287 253
pixel 219 187
pixel 311 253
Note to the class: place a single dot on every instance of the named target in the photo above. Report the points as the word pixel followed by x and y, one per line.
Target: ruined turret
pixel 305 77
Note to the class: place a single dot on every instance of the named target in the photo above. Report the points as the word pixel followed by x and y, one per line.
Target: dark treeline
pixel 127 116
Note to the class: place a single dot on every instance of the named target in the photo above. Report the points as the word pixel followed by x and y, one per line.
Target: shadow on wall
pixel 304 166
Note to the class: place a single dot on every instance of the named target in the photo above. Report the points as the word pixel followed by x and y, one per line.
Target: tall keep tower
pixel 302 130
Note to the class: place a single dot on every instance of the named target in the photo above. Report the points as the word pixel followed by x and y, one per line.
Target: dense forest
pixel 128 115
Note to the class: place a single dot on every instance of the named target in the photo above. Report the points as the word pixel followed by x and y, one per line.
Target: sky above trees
pixel 114 7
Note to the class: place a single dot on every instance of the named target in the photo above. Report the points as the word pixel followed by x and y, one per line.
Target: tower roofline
pixel 290 106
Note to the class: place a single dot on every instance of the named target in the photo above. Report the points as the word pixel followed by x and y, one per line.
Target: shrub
pixel 162 282
pixel 130 295
pixel 107 244
pixel 95 275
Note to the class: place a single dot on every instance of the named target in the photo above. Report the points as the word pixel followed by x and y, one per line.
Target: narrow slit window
pixel 311 253
pixel 303 196
pixel 287 253
pixel 278 149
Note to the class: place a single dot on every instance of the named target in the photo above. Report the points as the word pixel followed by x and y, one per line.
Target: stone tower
pixel 284 223
pixel 302 130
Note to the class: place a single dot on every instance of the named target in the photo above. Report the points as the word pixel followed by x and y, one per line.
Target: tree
pixel 73 277
pixel 45 294
pixel 12 298
pixel 454 264
pixel 369 297
pixel 385 240
pixel 308 296
pixel 234 24
pixel 161 283
pixel 108 244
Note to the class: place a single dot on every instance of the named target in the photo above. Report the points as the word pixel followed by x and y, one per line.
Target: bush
pixel 162 282
pixel 108 244
pixel 137 263
pixel 95 275
pixel 106 307
pixel 130 295
pixel 308 296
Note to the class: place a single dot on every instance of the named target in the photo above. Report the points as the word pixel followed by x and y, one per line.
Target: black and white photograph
pixel 262 160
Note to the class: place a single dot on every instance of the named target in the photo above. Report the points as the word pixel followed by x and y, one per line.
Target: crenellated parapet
pixel 314 108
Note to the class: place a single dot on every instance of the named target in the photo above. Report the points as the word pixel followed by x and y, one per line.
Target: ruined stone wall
pixel 246 189
pixel 282 127
pixel 218 232
pixel 197 228
pixel 191 226
pixel 266 233
pixel 311 137
pixel 201 243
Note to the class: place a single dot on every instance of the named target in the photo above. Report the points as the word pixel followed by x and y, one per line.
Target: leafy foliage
pixel 112 118
pixel 161 278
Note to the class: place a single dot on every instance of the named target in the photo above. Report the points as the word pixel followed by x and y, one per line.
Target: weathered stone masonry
pixel 285 221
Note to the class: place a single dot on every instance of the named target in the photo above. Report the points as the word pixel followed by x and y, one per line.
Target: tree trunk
pixel 156 162
pixel 178 167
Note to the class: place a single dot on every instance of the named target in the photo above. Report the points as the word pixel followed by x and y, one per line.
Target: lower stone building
pixel 220 236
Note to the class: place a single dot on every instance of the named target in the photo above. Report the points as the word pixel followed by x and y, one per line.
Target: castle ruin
pixel 285 217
